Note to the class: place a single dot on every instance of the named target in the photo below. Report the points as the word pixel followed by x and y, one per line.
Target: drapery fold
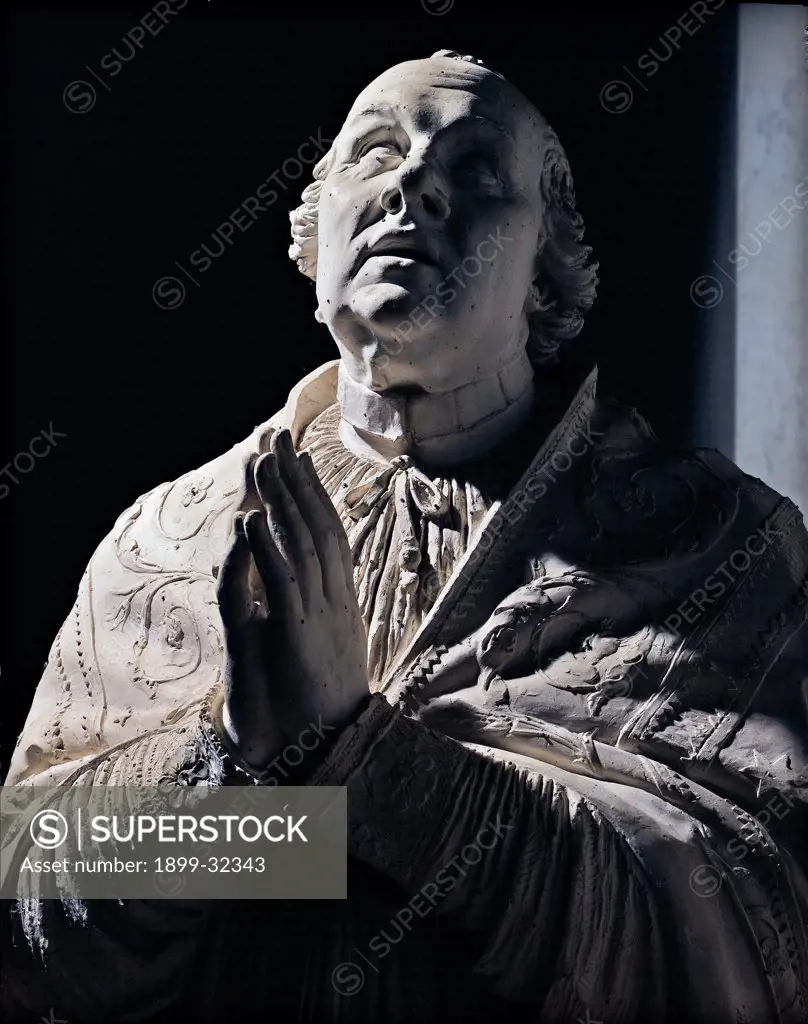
pixel 612 665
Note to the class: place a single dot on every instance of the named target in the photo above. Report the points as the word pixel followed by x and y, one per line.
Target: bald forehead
pixel 447 72
pixel 442 87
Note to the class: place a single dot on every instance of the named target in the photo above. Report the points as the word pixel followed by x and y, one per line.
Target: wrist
pixel 295 754
pixel 250 735
pixel 233 739
pixel 222 749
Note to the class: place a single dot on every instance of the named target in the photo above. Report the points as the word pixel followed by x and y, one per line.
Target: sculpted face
pixel 429 223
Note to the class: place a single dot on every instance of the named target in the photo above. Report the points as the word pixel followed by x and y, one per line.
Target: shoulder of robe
pixel 646 500
pixel 142 645
pixel 725 560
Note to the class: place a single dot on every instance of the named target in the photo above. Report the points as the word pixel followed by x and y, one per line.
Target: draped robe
pixel 603 669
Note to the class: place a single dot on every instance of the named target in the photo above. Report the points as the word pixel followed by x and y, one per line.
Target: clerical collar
pixel 447 426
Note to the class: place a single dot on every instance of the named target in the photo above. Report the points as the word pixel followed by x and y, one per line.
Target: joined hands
pixel 295 642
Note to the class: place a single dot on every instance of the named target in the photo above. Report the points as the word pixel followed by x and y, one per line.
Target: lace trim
pixel 407 532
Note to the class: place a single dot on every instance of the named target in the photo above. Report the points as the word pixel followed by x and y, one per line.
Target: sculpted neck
pixel 446 428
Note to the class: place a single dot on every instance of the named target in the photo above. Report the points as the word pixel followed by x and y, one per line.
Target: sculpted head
pixel 441 230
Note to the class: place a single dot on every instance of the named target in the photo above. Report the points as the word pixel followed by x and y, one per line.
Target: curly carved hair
pixel 566 277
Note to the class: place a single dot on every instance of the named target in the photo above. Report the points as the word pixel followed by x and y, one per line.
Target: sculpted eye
pixel 474 170
pixel 379 149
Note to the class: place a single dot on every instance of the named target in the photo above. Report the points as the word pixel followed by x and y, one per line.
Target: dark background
pixel 101 204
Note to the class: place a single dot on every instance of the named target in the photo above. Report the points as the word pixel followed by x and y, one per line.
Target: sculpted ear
pixel 304 218
pixel 538 298
pixel 533 303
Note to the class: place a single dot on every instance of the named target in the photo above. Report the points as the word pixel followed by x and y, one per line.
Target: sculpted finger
pixel 333 523
pixel 316 509
pixel 232 585
pixel 265 438
pixel 281 586
pixel 248 498
pixel 286 525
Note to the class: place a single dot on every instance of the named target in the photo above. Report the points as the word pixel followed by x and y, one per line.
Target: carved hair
pixel 566 272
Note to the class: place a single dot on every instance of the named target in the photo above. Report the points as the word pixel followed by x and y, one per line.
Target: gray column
pixel 768 269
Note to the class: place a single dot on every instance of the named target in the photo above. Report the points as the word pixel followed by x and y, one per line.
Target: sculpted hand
pixel 312 667
pixel 248 640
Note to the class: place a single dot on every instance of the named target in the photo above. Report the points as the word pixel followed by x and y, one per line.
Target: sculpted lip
pixel 398 245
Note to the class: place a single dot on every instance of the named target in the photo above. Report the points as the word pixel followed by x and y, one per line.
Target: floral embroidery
pixel 196 490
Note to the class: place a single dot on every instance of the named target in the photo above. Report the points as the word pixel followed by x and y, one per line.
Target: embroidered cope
pixel 595 658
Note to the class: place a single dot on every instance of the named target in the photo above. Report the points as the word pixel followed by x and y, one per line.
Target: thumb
pixel 232 586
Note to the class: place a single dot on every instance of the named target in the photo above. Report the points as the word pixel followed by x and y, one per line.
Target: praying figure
pixel 560 666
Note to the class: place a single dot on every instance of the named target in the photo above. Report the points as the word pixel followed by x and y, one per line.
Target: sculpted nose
pixel 416 186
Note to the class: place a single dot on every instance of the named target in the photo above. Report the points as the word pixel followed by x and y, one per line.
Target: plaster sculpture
pixel 511 608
